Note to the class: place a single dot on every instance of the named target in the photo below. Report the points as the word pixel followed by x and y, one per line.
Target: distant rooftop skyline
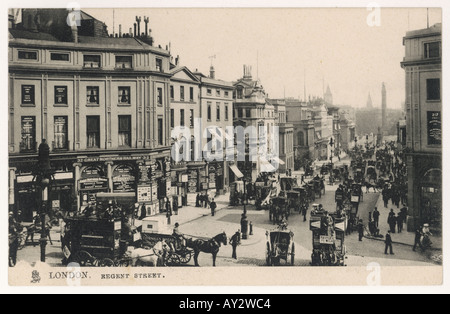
pixel 285 46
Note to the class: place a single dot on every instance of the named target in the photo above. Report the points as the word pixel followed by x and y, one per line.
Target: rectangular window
pixel 159 67
pixel 160 96
pixel 226 112
pixel 226 94
pixel 434 89
pixel 60 131
pixel 124 62
pixel 191 94
pixel 209 111
pixel 239 93
pixel 433 50
pixel 93 131
pixel 181 92
pixel 434 128
pixel 28 55
pixel 54 56
pixel 172 118
pixel 218 111
pixel 182 118
pixel 124 95
pixel 218 92
pixel 92 95
pixel 28 95
pixel 125 131
pixel 240 113
pixel 160 132
pixel 60 95
pixel 209 92
pixel 92 61
pixel 248 113
pixel 28 132
pixel 191 118
pixel 172 93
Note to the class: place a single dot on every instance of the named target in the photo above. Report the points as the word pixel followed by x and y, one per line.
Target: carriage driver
pixel 181 239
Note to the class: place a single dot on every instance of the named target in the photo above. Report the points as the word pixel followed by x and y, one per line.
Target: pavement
pixel 403 238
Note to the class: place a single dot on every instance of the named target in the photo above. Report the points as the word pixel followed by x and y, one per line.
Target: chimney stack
pixel 120 30
pixel 131 32
pixel 212 72
pixel 135 30
pixel 146 20
pixel 138 20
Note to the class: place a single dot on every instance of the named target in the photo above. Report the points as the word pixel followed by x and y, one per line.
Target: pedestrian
pixel 175 205
pixel 235 241
pixel 388 243
pixel 197 201
pixel 399 223
pixel 304 212
pixel 361 230
pixel 392 221
pixel 417 239
pixel 168 211
pixel 404 212
pixel 376 217
pixel 213 207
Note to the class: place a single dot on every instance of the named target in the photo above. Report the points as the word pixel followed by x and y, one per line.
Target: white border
pixel 4 288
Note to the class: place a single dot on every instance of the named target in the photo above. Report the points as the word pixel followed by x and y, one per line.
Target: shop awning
pixel 236 171
pixel 267 166
pixel 278 160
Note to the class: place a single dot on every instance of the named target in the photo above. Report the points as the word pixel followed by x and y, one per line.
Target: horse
pixel 211 246
pixel 149 256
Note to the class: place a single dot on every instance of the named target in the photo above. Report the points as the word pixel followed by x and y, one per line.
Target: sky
pixel 335 47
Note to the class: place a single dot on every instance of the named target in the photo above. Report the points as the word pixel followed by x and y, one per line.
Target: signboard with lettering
pixel 61 95
pixel 144 194
pixel 434 128
pixel 28 94
pixel 123 179
pixel 94 184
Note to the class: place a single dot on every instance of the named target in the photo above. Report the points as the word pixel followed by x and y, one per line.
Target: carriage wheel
pixel 185 256
pixel 268 255
pixel 173 260
pixel 293 254
pixel 107 262
pixel 83 258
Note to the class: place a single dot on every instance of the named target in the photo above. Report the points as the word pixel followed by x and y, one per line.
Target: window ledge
pixel 123 105
pixel 61 105
pixel 92 105
pixel 28 105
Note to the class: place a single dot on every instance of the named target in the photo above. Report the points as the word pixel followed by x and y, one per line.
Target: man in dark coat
pixel 392 221
pixel 388 243
pixel 235 241
pixel 418 237
pixel 213 207
pixel 376 217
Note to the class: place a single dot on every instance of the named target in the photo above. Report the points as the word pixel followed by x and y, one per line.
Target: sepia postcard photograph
pixel 228 146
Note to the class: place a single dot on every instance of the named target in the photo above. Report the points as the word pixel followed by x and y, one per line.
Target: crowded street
pixel 199 223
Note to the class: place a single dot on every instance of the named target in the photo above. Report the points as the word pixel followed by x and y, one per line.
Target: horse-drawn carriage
pixel 90 241
pixel 279 209
pixel 326 169
pixel 328 238
pixel 280 246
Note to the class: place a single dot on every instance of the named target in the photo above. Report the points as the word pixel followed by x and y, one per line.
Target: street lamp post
pixel 43 176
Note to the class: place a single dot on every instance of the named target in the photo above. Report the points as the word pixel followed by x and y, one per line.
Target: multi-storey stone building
pixel 100 102
pixel 423 68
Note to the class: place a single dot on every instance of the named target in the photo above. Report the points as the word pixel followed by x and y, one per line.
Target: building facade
pixel 252 110
pixel 102 105
pixel 423 69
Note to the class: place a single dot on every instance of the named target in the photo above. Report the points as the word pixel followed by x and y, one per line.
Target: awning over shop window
pixel 267 167
pixel 236 171
pixel 278 160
